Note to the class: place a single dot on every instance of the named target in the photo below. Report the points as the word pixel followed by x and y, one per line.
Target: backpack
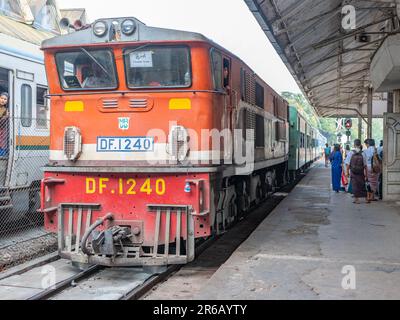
pixel 376 163
pixel 357 163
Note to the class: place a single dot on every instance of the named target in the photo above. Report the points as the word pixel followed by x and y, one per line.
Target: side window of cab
pixel 217 69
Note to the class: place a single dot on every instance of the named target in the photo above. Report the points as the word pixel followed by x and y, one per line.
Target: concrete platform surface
pixel 316 245
pixel 32 282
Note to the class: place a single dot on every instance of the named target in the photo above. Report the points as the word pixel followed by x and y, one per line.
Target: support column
pixel 396 101
pixel 360 123
pixel 390 102
pixel 369 113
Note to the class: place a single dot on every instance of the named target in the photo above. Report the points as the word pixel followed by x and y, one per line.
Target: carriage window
pixel 41 107
pixel 153 67
pixel 4 80
pixel 216 60
pixel 26 105
pixel 86 69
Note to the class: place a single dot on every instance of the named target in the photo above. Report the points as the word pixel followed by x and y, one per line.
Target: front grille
pixel 138 103
pixel 110 103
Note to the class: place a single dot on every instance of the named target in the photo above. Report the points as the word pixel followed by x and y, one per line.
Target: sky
pixel 227 22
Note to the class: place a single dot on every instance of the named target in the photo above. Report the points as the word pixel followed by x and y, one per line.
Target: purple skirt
pixel 358 185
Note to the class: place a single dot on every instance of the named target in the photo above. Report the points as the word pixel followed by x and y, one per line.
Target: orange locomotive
pixel 158 138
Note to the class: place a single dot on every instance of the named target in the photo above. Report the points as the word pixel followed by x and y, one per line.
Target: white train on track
pixel 24 136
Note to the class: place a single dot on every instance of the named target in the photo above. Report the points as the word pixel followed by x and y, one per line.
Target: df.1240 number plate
pixel 125 144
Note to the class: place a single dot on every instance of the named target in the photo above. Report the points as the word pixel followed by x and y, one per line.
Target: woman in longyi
pixel 3 123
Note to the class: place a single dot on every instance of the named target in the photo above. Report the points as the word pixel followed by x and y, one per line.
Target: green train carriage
pixel 306 143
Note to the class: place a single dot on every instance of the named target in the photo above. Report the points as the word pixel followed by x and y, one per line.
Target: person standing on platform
pixel 380 180
pixel 336 164
pixel 4 115
pixel 327 152
pixel 345 178
pixel 347 160
pixel 357 171
pixel 347 150
pixel 372 170
pixel 380 149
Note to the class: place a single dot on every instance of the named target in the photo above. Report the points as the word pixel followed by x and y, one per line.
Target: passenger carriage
pixel 306 142
pixel 24 139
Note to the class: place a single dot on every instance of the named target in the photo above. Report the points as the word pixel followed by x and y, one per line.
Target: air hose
pixel 88 232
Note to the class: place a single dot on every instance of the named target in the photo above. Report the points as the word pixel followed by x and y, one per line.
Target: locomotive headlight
pixel 128 27
pixel 100 28
pixel 72 143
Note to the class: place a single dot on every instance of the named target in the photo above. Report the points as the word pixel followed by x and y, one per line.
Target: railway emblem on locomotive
pixel 123 123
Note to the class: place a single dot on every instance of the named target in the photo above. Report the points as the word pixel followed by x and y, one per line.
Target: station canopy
pixel 30 20
pixel 329 58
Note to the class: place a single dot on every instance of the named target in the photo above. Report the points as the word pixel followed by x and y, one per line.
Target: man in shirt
pixel 327 152
pixel 98 78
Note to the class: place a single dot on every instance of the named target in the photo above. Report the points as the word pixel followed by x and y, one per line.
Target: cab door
pixel 24 127
pixel 221 100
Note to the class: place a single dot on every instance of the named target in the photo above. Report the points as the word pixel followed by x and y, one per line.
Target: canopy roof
pixel 330 64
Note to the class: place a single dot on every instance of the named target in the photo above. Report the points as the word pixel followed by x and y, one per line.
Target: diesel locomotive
pixel 159 138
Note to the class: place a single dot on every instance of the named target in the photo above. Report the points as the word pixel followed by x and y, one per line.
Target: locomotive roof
pixel 142 33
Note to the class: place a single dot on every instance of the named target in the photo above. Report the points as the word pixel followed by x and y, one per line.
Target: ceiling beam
pixel 338 78
pixel 358 48
pixel 350 34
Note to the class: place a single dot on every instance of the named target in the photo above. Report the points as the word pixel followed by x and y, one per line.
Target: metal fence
pixel 24 150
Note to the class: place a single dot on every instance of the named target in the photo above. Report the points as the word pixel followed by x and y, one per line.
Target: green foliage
pixel 377 130
pixel 297 100
pixel 328 126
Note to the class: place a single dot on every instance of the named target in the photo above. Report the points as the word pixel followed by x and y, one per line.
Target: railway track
pixel 98 282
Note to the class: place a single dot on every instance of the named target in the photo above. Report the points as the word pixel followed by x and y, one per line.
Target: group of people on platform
pixel 357 171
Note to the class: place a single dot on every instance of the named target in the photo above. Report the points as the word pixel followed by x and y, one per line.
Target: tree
pixel 328 126
pixel 297 100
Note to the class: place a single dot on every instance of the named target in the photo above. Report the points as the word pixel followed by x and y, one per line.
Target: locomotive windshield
pixel 86 69
pixel 157 66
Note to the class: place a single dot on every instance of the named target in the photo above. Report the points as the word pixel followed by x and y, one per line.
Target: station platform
pixel 316 244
